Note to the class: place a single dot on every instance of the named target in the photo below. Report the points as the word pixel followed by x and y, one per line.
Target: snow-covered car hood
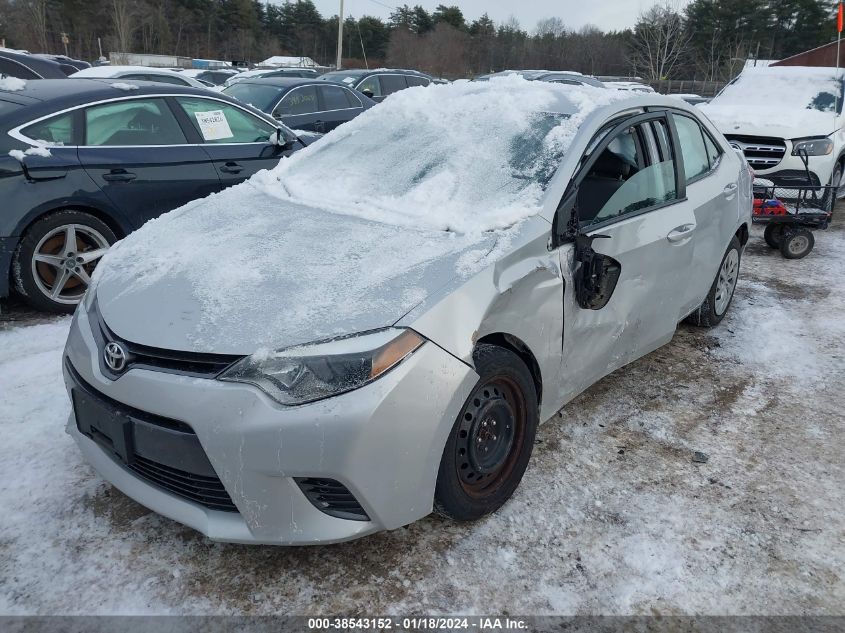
pixel 242 271
pixel 770 121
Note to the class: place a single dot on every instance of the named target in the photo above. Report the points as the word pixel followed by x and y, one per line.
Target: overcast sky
pixel 606 14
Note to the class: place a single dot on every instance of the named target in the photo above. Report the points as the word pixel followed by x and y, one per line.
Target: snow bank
pixel 464 157
pixel 12 84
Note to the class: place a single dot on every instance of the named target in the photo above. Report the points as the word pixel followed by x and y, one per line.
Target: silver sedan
pixel 374 329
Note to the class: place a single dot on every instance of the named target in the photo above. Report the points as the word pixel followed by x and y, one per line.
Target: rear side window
pixel 417 81
pixel 219 122
pixel 713 151
pixel 392 83
pixel 132 122
pixel 298 101
pixel 696 161
pixel 59 130
pixel 333 98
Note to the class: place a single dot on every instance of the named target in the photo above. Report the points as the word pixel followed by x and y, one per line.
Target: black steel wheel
pixel 491 441
pixel 773 233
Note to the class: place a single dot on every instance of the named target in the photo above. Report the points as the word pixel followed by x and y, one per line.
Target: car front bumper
pixel 383 442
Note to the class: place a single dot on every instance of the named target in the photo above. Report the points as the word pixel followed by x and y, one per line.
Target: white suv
pixel 780 116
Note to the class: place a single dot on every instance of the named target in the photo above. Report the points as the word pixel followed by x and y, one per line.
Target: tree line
pixel 709 39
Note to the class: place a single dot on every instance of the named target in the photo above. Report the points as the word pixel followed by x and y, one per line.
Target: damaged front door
pixel 632 233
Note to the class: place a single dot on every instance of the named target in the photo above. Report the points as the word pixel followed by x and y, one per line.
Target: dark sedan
pixel 378 84
pixel 302 104
pixel 83 162
pixel 25 66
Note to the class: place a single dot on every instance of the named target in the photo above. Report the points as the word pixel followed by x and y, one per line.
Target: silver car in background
pixel 375 328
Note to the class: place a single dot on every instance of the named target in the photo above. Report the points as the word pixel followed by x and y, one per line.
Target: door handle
pixel 319 126
pixel 119 175
pixel 232 168
pixel 680 233
pixel 730 189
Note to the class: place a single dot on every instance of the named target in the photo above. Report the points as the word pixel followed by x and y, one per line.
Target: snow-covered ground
pixel 613 516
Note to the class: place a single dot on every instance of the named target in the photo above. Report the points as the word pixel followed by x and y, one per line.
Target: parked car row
pixel 83 162
pixel 375 328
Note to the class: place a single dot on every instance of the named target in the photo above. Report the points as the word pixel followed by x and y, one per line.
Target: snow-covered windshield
pixel 463 157
pixel 785 87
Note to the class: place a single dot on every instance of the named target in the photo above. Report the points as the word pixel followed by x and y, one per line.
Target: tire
pixel 45 258
pixel 832 194
pixel 796 243
pixel 714 308
pixel 482 464
pixel 773 234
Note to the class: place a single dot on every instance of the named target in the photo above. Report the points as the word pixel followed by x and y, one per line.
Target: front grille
pixel 153 447
pixel 207 491
pixel 332 497
pixel 146 357
pixel 761 152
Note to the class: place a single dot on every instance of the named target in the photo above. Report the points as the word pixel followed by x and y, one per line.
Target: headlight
pixel 813 147
pixel 311 372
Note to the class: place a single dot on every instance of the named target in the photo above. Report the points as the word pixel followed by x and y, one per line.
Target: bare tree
pixel 36 12
pixel 659 42
pixel 123 19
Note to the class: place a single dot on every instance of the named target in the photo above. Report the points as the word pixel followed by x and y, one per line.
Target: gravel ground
pixel 613 517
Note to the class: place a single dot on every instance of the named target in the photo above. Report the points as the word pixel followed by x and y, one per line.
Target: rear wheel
pixel 715 306
pixel 56 257
pixel 491 442
pixel 796 243
pixel 773 234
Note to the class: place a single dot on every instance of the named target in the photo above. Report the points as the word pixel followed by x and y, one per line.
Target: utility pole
pixel 339 37
pixel 65 40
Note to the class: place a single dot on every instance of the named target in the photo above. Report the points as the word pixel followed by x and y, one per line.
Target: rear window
pixel 259 96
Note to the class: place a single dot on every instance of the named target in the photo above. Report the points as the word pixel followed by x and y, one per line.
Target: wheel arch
pixel 518 347
pixel 107 218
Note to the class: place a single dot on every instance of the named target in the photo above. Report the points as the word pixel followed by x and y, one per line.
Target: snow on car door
pixel 630 199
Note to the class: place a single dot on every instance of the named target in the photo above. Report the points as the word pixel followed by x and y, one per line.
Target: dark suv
pixel 378 84
pixel 83 162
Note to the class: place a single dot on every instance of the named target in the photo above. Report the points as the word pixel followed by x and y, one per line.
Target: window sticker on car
pixel 213 125
pixel 348 80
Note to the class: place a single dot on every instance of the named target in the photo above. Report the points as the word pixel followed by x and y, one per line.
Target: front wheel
pixel 833 193
pixel 715 306
pixel 772 234
pixel 56 257
pixel 490 444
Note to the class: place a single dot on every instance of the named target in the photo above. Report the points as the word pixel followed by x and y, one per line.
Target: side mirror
pixel 596 275
pixel 368 93
pixel 281 140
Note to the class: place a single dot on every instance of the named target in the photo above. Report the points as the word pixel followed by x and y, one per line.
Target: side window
pixel 714 153
pixel 392 83
pixel 167 79
pixel 625 179
pixel 417 81
pixel 59 130
pixel 371 84
pixel 693 150
pixel 333 98
pixel 298 101
pixel 219 122
pixel 132 122
pixel 136 77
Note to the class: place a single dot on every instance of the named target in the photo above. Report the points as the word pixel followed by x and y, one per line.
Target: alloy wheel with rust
pixel 492 439
pixel 57 256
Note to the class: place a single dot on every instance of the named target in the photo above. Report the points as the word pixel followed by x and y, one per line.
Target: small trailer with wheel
pixel 790 214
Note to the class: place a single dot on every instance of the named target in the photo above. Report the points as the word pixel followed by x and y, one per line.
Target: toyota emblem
pixel 115 356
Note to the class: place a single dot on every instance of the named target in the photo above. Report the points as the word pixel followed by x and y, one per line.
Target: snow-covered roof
pixel 117 71
pixel 282 60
